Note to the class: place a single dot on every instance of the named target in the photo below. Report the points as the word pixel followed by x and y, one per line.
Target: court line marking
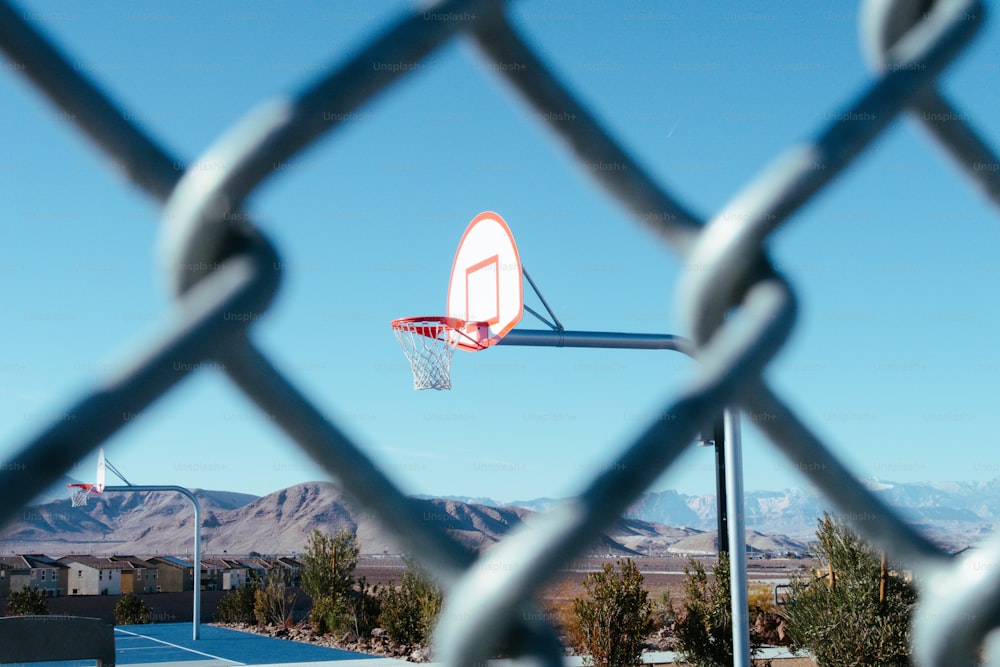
pixel 183 648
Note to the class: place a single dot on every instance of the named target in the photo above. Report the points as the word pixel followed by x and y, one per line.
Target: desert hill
pixel 147 523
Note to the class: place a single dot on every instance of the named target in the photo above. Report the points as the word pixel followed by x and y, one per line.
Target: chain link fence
pixel 220 262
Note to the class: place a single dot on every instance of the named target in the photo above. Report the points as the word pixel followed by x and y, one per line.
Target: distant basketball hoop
pixel 81 491
pixel 429 343
pixel 81 494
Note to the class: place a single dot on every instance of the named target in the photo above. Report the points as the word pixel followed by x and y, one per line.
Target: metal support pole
pixel 728 452
pixel 722 509
pixel 196 621
pixel 599 339
pixel 737 540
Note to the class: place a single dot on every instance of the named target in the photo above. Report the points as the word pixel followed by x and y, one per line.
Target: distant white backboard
pixel 101 471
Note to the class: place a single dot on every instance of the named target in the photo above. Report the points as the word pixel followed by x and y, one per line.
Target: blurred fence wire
pixel 219 262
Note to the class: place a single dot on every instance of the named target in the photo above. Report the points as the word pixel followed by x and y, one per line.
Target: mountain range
pixel 148 523
pixel 952 513
pixel 658 523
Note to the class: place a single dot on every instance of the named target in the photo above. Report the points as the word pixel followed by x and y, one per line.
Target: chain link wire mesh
pixel 218 262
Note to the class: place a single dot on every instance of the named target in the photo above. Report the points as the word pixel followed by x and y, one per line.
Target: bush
pixel 410 611
pixel 703 623
pixel 328 577
pixel 840 619
pixel 366 607
pixel 355 613
pixel 27 602
pixel 615 616
pixel 237 606
pixel 130 610
pixel 329 616
pixel 663 616
pixel 272 602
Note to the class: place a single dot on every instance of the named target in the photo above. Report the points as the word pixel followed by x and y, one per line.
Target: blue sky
pixel 893 360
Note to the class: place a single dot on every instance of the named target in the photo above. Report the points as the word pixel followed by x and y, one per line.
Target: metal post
pixel 728 452
pixel 196 621
pixel 737 541
pixel 598 339
pixel 722 510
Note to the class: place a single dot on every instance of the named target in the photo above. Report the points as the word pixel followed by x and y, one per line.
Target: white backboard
pixel 486 283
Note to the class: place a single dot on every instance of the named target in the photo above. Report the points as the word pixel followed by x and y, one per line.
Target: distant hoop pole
pixel 196 621
pixel 733 505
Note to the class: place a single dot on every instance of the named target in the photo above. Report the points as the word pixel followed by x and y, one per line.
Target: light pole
pixel 196 622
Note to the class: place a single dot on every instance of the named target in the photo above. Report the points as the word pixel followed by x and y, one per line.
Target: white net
pixel 429 345
pixel 80 497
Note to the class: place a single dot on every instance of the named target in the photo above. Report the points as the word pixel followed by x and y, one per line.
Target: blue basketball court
pixel 163 644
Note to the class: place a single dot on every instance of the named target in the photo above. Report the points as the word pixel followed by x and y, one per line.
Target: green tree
pixel 237 606
pixel 27 602
pixel 409 611
pixel 844 618
pixel 130 610
pixel 614 616
pixel 328 578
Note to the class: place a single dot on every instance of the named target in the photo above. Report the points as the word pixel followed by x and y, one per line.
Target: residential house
pixel 52 576
pixel 291 569
pixel 11 568
pixel 174 574
pixel 257 568
pixel 141 578
pixel 15 574
pixel 287 567
pixel 95 575
pixel 33 571
pixel 225 574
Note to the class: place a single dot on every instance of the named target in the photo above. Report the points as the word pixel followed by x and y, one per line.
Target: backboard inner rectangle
pixel 482 291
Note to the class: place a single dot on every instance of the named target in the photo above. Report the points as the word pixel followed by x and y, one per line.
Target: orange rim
pixel 434 325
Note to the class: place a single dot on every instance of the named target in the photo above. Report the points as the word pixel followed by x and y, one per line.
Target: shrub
pixel 614 616
pixel 237 606
pixel 704 621
pixel 329 615
pixel 27 602
pixel 662 606
pixel 272 602
pixel 130 610
pixel 356 613
pixel 328 577
pixel 841 619
pixel 366 607
pixel 410 611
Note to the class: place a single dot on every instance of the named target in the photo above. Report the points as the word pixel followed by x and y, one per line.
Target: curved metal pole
pixel 196 621
pixel 733 451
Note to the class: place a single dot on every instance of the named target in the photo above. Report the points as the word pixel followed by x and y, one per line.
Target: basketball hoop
pixel 485 301
pixel 82 493
pixel 429 343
